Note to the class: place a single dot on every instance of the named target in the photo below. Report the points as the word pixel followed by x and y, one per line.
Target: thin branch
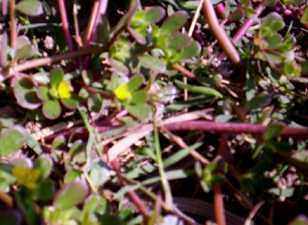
pixel 253 212
pixel 190 33
pixel 13 25
pixel 92 21
pixel 180 142
pixel 219 206
pixel 131 194
pixel 248 23
pixel 99 9
pixel 234 128
pixel 31 64
pixel 4 8
pixel 76 25
pixel 65 24
pixel 219 32
pixel 185 72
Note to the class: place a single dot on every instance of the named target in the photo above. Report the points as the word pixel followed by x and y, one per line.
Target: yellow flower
pixel 64 90
pixel 122 92
pixel 26 176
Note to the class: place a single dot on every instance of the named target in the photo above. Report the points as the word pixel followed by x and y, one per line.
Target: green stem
pixel 160 165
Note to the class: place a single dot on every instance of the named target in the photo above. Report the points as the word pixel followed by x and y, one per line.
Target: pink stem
pixel 4 8
pixel 219 206
pixel 99 9
pixel 65 24
pixel 233 128
pixel 241 32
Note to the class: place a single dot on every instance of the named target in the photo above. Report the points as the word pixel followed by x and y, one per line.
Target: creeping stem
pixel 219 32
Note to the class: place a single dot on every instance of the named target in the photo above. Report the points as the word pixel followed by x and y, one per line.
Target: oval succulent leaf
pixel 174 22
pixel 30 7
pixel 10 141
pixel 25 93
pixel 56 76
pixel 71 195
pixel 51 109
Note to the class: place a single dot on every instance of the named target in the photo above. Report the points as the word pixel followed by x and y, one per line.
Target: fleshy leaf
pixel 153 63
pixel 272 23
pixel 51 109
pixel 44 165
pixel 30 7
pixel 199 89
pixel 71 195
pixel 10 141
pixel 25 93
pixel 174 22
pixel 56 76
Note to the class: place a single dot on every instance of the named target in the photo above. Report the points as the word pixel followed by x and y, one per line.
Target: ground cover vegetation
pixel 153 112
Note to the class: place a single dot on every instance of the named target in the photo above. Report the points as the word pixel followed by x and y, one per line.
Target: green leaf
pixel 10 141
pixel 135 83
pixel 45 190
pixel 58 142
pixel 291 69
pixel 70 103
pixel 154 14
pixel 56 76
pixel 44 164
pixel 304 18
pixel 71 195
pixel 24 48
pixel 179 155
pixel 153 63
pixel 25 93
pixel 51 109
pixel 99 173
pixel 272 23
pixel 30 7
pixel 190 51
pixel 43 93
pixel 140 111
pixel 139 97
pixel 174 22
pixel 179 41
pixel 6 180
pixel 199 89
pixel 273 131
pixel 71 175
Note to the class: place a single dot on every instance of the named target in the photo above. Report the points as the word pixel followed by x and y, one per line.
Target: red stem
pixel 131 194
pixel 99 8
pixel 13 25
pixel 65 24
pixel 219 206
pixel 242 31
pixel 4 8
pixel 234 128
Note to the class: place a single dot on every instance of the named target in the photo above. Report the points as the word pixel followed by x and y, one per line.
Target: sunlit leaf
pixel 30 7
pixel 25 93
pixel 174 22
pixel 10 141
pixel 71 195
pixel 51 109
